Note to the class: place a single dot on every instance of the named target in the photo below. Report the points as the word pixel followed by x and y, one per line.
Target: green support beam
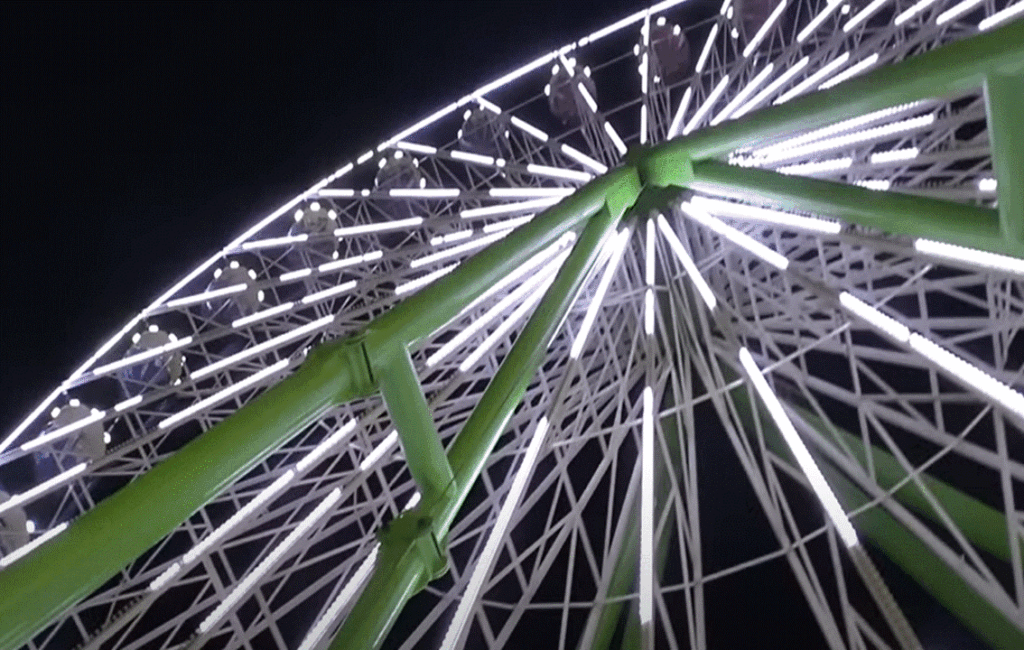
pixel 412 418
pixel 403 570
pixel 1004 102
pixel 892 212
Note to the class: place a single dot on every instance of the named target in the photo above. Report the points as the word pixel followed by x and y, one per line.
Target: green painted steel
pixel 413 420
pixel 947 70
pixel 1004 99
pixel 901 214
pixel 393 582
pixel 124 525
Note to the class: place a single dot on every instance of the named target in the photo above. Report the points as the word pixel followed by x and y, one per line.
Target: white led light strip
pixel 735 236
pixel 764 215
pixel 505 303
pixel 222 395
pixel 846 140
pixel 815 78
pixel 584 159
pixel 354 584
pixel 818 20
pixel 1001 16
pixel 742 95
pixel 706 106
pixel 677 120
pixel 254 576
pixel 983 259
pixel 22 551
pixel 956 10
pixel 423 281
pixel 206 295
pixel 378 227
pixel 617 248
pixel 706 51
pixel 508 224
pixel 647 509
pixel 803 456
pixel 328 293
pixel 42 488
pixel 308 328
pixel 691 269
pixel 863 15
pixel 761 33
pixel 508 208
pixel 68 429
pixel 850 72
pixel 817 167
pixel 455 251
pixel 773 87
pixel 456 634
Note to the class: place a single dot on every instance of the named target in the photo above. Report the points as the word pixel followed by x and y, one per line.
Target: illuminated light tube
pixel 584 159
pixel 725 7
pixel 691 269
pixel 143 356
pixel 649 312
pixel 643 124
pixel 295 275
pixel 527 192
pixel 363 158
pixel 878 185
pixel 818 20
pixel 161 580
pixel 222 395
pixel 817 167
pixel 814 79
pixel 894 155
pixel 491 106
pixel 850 72
pixel 520 271
pixel 988 185
pixel 706 51
pixel 742 240
pixel 254 576
pixel 526 127
pixel 206 295
pixel 647 509
pixel 508 208
pixel 65 430
pixel 262 315
pixel 803 456
pixel 243 513
pixel 557 172
pixel 459 235
pixel 1003 263
pixel 741 96
pixel 863 15
pixel 508 224
pixel 677 119
pixel 480 323
pixel 706 106
pixel 1000 17
pixel 425 193
pixel 761 33
pixel 22 551
pixel 128 403
pixel 378 452
pixel 649 254
pixel 472 157
pixel 587 97
pixel 260 244
pixel 337 193
pixel 417 148
pixel 456 250
pixel 956 10
pixel 613 135
pixel 833 129
pixel 520 312
pixel 350 261
pixel 378 227
pixel 771 88
pixel 329 293
pixel 618 247
pixel 629 20
pixel 325 445
pixel 846 140
pixel 42 488
pixel 765 215
pixel 969 374
pixel 456 633
pixel 644 65
pixel 355 583
pixel 913 11
pixel 423 281
pixel 270 344
pixel 344 169
pixel 413 501
pixel 883 323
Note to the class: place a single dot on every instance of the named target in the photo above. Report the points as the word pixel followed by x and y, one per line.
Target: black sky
pixel 139 138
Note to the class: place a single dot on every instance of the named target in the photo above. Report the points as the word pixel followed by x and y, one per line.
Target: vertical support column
pixel 1004 103
pixel 413 420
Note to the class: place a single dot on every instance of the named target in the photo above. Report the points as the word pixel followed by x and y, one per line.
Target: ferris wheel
pixel 706 298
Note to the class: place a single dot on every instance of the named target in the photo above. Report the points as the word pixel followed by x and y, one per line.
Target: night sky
pixel 137 139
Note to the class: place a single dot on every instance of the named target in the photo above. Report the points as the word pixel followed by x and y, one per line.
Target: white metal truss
pixel 281 554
